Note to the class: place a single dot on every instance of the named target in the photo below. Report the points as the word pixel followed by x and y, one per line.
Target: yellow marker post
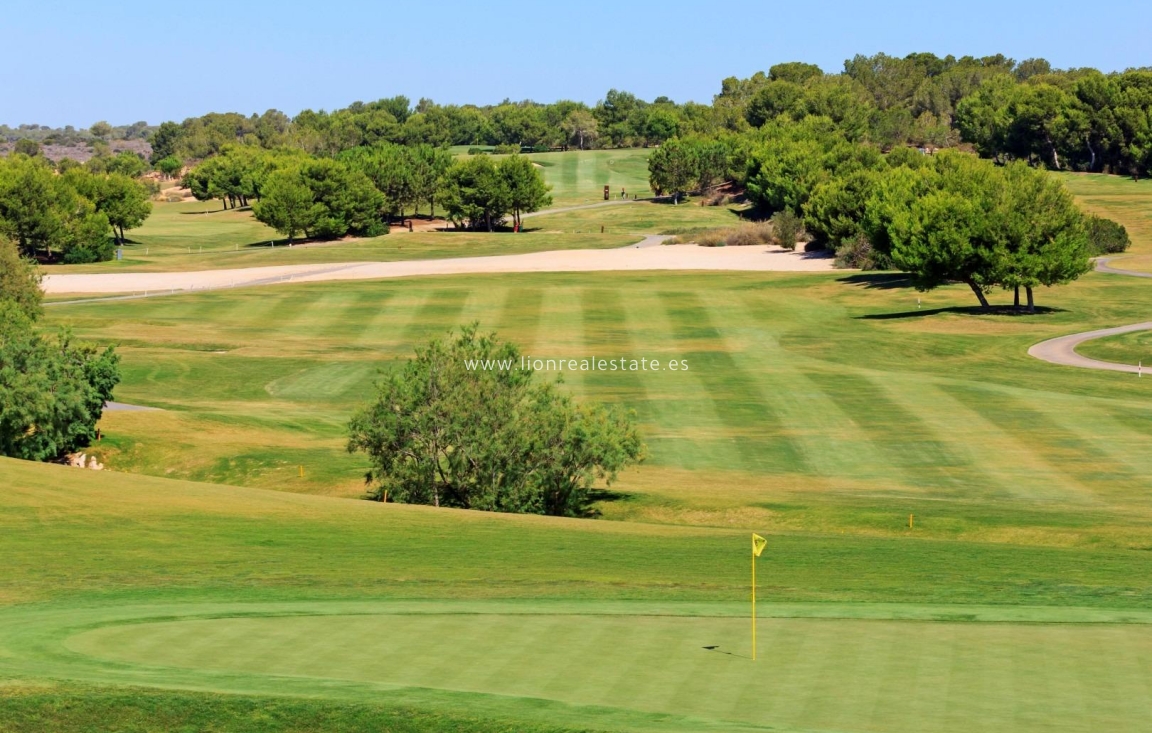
pixel 758 544
pixel 910 521
pixel 301 472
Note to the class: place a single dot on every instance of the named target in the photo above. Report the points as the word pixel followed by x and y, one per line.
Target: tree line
pixel 621 119
pixel 1069 119
pixel 75 214
pixel 1072 119
pixel 944 217
pixel 360 190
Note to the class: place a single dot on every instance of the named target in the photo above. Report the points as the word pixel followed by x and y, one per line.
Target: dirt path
pixel 1103 266
pixel 1062 350
pixel 644 255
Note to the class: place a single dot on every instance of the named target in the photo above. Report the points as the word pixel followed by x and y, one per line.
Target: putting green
pixel 846 674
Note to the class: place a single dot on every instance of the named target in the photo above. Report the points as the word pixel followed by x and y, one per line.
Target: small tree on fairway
pixel 120 198
pixel 1106 236
pixel 463 424
pixel 673 168
pixel 527 191
pixel 938 224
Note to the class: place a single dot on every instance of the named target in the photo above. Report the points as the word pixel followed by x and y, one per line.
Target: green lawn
pixel 1118 198
pixel 639 218
pixel 813 402
pixel 175 592
pixel 579 176
pixel 360 611
pixel 1127 348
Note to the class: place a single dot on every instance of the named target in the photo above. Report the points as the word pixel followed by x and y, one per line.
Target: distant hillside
pixel 82 151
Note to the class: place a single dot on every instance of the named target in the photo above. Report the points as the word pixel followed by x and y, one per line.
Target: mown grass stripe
pixel 378 316
pixel 910 446
pixel 1063 449
pixel 1002 466
pixel 519 319
pixel 755 424
pixel 825 435
pixel 686 431
pixel 436 315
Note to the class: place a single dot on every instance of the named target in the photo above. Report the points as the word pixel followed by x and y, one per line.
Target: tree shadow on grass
pixel 215 211
pixel 878 280
pixel 597 496
pixel 974 310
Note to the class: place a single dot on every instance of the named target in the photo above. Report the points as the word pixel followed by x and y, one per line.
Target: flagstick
pixel 753 605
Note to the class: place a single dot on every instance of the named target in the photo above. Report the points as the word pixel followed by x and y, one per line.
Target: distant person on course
pixel 622 194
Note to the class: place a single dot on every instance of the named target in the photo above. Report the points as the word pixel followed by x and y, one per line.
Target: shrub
pixel 744 235
pixel 715 238
pixel 446 430
pixel 788 228
pixel 751 234
pixel 506 149
pixel 1106 236
pixel 857 254
pixel 99 249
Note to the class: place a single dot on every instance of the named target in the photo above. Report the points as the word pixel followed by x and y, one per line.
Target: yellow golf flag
pixel 758 544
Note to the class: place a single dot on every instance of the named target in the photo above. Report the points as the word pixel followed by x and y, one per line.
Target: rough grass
pixel 743 235
pixel 70 708
pixel 393 247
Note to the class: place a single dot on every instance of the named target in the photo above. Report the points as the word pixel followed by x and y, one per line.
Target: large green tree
pixel 46 216
pixel 287 205
pixel 52 389
pixel 1047 235
pixel 527 191
pixel 464 424
pixel 474 193
pixel 322 198
pixel 966 220
pixel 124 201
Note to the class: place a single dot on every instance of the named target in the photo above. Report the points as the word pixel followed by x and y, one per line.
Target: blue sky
pixel 77 62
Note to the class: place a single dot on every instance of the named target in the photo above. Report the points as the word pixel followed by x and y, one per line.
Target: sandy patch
pixel 677 257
